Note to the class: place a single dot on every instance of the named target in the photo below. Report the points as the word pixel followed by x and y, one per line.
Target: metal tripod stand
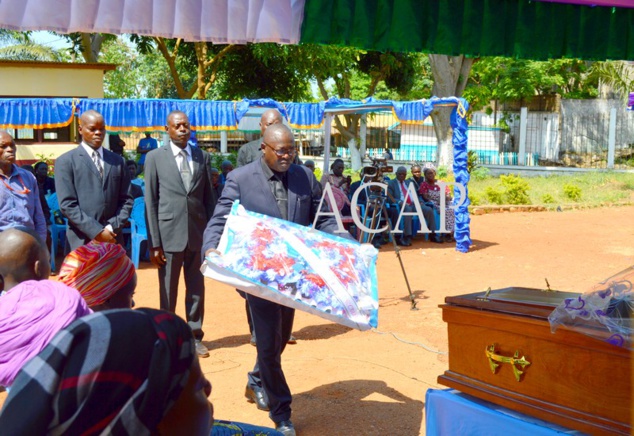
pixel 375 209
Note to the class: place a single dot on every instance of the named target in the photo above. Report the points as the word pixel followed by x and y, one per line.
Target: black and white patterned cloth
pixel 112 372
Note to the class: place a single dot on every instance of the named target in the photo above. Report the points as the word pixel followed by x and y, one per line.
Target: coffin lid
pixel 532 302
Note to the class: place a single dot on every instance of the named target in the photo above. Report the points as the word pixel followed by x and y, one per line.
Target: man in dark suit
pixel 92 187
pixel 246 154
pixel 397 192
pixel 274 186
pixel 179 201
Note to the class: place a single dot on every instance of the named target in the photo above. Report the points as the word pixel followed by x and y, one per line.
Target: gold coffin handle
pixel 496 359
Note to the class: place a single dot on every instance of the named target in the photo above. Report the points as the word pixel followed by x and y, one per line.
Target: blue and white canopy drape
pixel 205 115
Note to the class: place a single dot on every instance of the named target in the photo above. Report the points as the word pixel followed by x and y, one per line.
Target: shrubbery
pixel 480 173
pixel 516 189
pixel 494 196
pixel 572 192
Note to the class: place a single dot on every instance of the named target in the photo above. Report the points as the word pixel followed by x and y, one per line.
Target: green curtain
pixel 514 28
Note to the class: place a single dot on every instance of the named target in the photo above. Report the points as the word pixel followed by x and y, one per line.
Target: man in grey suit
pixel 274 186
pixel 179 200
pixel 92 187
pixel 253 150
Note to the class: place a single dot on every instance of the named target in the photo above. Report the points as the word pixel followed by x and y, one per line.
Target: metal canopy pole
pixel 327 129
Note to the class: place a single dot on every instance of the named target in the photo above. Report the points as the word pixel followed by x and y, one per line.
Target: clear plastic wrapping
pixel 604 312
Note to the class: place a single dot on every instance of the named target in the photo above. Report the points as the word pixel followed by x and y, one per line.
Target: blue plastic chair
pixel 139 182
pixel 138 229
pixel 416 227
pixel 58 231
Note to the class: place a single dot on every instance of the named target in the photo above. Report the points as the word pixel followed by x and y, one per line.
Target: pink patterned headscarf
pixel 31 313
pixel 98 270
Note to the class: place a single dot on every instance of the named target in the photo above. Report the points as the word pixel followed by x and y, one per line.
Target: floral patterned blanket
pixel 297 266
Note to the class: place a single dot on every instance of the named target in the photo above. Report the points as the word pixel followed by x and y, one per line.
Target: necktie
pixel 186 173
pixel 281 196
pixel 405 194
pixel 97 160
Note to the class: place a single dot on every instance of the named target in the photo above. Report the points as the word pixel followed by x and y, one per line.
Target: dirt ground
pixel 373 383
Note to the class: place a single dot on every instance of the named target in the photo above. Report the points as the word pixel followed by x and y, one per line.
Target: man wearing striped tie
pixel 92 187
pixel 179 200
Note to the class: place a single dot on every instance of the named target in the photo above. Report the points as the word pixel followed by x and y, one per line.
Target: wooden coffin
pixel 501 349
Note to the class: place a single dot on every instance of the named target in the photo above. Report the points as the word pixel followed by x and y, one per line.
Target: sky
pixel 47 38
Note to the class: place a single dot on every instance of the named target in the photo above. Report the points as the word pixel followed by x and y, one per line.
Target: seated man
pixel 215 182
pixel 398 195
pixel 136 190
pixel 23 256
pixel 310 164
pixel 102 273
pixel 225 168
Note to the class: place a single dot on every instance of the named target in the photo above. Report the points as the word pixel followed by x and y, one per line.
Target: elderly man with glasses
pixel 272 185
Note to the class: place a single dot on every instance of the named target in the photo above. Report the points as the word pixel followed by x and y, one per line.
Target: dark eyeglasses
pixel 282 152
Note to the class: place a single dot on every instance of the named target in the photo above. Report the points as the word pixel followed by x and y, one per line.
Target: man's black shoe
pixel 285 427
pixel 257 396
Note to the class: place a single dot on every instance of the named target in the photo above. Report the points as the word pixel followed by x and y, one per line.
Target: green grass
pixel 596 188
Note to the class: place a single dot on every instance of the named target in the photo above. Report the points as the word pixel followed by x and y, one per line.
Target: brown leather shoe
pixel 201 349
pixel 292 340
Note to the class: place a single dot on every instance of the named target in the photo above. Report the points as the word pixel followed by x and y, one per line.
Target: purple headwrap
pixel 31 313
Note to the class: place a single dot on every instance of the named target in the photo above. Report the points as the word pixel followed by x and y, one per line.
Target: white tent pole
pixel 327 129
pixel 223 142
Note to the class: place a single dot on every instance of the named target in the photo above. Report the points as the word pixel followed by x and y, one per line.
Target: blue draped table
pixel 450 412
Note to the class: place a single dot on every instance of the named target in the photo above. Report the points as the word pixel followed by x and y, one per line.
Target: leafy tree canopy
pixel 506 79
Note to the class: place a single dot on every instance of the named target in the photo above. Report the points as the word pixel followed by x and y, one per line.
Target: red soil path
pixel 373 383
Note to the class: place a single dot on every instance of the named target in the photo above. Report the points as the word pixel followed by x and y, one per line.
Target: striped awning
pixel 536 29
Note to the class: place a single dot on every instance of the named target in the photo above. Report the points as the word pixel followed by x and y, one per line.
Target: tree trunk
pixel 355 155
pixel 349 133
pixel 450 78
pixel 91 46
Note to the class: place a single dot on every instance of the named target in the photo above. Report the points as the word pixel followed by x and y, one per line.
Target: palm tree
pixel 616 78
pixel 18 46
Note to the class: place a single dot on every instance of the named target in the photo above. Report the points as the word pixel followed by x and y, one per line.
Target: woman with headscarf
pixel 31 313
pixel 430 191
pixel 113 372
pixel 102 273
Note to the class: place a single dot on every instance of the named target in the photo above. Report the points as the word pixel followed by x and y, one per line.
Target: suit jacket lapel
pixel 172 165
pixel 107 164
pixel 197 161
